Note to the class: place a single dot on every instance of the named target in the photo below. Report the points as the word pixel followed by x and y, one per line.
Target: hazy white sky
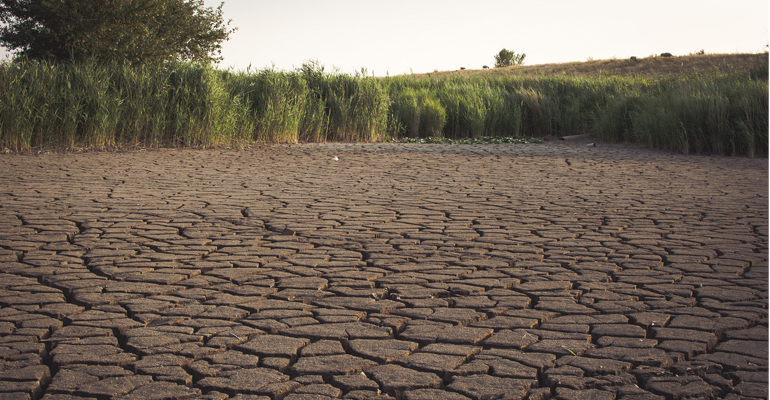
pixel 399 36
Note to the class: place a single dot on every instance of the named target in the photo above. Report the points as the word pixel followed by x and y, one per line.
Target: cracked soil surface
pixel 395 272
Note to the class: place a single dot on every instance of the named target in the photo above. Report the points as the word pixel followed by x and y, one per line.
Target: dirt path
pixel 396 271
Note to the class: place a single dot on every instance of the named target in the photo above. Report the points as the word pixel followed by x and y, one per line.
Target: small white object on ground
pixel 335 158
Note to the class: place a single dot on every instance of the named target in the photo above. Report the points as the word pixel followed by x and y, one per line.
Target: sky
pixel 415 36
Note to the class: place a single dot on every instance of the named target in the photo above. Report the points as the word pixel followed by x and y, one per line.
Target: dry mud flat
pixel 397 271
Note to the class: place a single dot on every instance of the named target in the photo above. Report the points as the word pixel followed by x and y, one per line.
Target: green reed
pixel 276 101
pixel 355 107
pixel 88 105
pixel 416 113
pixel 44 105
pixel 720 112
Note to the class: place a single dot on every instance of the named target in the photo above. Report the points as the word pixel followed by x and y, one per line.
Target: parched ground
pixel 412 272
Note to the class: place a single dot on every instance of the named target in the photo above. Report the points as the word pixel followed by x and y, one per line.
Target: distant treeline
pixel 90 105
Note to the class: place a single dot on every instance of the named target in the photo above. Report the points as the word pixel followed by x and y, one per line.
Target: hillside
pixel 641 67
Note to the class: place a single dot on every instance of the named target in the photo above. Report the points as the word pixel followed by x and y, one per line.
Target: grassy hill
pixel 640 67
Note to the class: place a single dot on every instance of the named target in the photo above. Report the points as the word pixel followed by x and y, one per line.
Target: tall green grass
pixel 72 105
pixel 720 112
pixel 275 101
pixel 44 105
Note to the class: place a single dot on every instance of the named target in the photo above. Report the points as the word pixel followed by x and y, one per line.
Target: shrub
pixel 506 58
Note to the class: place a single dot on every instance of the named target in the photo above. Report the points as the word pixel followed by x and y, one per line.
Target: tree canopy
pixel 507 58
pixel 135 31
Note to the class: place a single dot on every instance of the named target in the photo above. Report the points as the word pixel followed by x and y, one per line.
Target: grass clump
pixel 416 113
pixel 75 105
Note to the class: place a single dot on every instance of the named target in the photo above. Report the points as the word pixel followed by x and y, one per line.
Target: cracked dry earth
pixel 398 272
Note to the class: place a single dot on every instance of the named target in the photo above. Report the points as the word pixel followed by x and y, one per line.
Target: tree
pixel 506 58
pixel 136 31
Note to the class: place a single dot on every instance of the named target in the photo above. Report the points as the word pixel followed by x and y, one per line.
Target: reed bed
pixel 90 105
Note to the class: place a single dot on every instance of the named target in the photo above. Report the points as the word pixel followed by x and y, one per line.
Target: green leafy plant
pixel 506 58
pixel 135 31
